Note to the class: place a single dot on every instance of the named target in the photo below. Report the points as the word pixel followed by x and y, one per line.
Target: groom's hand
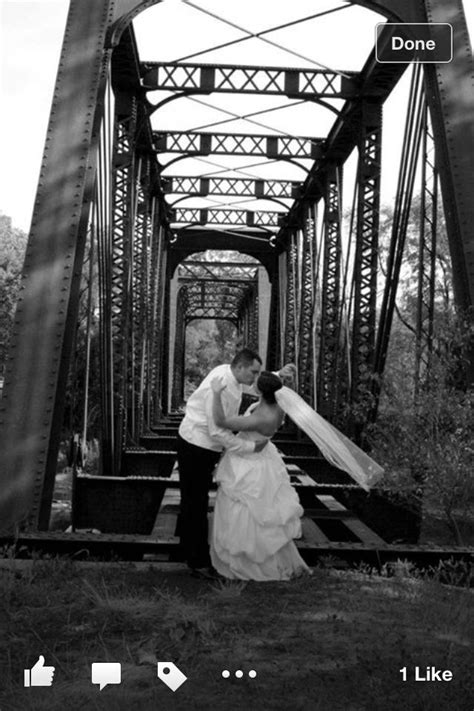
pixel 260 445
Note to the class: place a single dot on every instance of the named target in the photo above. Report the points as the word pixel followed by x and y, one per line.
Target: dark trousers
pixel 196 466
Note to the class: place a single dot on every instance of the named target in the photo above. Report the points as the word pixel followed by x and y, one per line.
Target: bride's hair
pixel 268 383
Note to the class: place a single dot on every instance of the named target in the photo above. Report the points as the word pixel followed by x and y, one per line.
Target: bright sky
pixel 31 34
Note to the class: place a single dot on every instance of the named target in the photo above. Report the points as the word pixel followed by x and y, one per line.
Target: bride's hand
pixel 260 445
pixel 287 375
pixel 217 385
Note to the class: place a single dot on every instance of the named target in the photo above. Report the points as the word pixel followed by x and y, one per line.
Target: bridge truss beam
pixel 246 144
pixel 234 218
pixel 208 78
pixel 194 186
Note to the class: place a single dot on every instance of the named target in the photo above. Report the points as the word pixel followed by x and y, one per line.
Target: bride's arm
pixel 236 423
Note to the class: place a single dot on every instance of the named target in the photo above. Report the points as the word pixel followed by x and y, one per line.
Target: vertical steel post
pixel 306 364
pixel 329 356
pixel 274 356
pixel 122 294
pixel 177 395
pixel 46 315
pixel 289 353
pixel 426 254
pixel 365 262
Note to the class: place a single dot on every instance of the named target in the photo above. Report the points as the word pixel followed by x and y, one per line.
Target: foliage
pixel 13 245
pixel 400 367
pixel 208 343
pixel 427 442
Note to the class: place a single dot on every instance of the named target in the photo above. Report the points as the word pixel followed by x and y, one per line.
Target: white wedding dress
pixel 256 517
pixel 257 512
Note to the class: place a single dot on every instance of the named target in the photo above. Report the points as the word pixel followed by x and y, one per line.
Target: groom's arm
pixel 225 437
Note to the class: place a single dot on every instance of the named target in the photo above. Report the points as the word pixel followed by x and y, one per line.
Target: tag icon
pixel 38 675
pixel 170 675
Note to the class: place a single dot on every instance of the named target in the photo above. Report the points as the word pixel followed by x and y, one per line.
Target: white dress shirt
pixel 198 426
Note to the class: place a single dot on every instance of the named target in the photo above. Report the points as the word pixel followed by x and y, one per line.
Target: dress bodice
pixel 251 435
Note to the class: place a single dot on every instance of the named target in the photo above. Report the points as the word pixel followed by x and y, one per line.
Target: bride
pixel 257 512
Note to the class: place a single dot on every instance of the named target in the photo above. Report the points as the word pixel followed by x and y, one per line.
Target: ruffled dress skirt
pixel 256 517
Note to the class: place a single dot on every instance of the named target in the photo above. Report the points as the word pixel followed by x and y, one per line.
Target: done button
pixel 406 42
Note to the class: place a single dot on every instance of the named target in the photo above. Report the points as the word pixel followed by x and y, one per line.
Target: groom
pixel 199 447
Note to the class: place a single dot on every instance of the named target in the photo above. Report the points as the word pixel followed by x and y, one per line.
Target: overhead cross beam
pixel 211 299
pixel 236 218
pixel 208 78
pixel 192 186
pixel 220 271
pixel 244 144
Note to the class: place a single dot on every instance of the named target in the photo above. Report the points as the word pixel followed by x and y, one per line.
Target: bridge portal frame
pixel 35 379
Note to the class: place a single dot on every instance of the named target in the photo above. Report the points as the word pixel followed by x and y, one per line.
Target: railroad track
pixel 149 505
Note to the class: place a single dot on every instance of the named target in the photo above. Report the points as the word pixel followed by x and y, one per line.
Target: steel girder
pixel 329 372
pixel 243 144
pixel 306 284
pixel 365 260
pixel 290 352
pixel 234 218
pixel 207 78
pixel 143 306
pixel 274 357
pixel 123 259
pixel 401 215
pixel 450 97
pixel 217 271
pixel 156 342
pixel 453 125
pixel 177 392
pixel 256 243
pixel 209 299
pixel 248 323
pixel 426 254
pixel 46 316
pixel 265 189
pixel 225 302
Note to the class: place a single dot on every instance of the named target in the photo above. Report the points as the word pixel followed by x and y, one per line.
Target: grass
pixel 334 641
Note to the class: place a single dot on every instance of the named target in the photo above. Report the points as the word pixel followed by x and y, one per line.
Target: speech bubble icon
pixel 104 673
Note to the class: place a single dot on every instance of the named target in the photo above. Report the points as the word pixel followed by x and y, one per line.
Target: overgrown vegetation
pixel 334 641
pixel 424 436
pixel 13 245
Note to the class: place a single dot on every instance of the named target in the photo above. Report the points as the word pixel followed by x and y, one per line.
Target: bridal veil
pixel 333 445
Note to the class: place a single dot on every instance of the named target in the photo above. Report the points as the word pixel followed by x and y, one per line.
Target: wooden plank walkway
pixel 328 508
pixel 329 527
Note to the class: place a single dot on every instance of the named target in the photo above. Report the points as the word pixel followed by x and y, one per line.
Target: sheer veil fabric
pixel 333 445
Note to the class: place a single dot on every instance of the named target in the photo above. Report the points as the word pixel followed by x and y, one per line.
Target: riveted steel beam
pixel 450 99
pixel 307 297
pixel 329 355
pixel 236 218
pixel 46 316
pixel 427 247
pixel 365 261
pixel 237 144
pixel 177 392
pixel 220 271
pixel 291 321
pixel 208 78
pixel 193 186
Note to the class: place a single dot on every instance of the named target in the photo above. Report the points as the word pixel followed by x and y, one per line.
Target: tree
pixel 399 373
pixel 209 343
pixel 13 246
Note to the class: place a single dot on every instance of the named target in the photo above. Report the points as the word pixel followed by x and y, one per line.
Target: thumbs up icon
pixel 39 675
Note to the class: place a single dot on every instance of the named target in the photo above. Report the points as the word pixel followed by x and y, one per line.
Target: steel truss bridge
pixel 129 203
